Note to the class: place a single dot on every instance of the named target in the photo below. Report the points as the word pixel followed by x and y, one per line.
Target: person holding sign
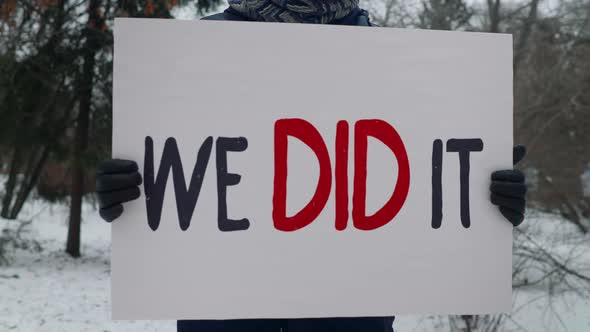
pixel 118 180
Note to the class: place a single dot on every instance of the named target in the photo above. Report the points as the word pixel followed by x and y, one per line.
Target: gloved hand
pixel 117 181
pixel 508 189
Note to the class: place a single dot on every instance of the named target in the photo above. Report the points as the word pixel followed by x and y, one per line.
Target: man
pixel 118 180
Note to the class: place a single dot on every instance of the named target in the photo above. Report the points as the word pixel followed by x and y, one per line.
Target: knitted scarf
pixel 294 11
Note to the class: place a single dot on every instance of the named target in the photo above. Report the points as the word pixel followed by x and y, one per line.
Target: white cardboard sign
pixel 329 120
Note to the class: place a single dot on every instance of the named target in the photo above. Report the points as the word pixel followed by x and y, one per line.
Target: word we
pixel 186 198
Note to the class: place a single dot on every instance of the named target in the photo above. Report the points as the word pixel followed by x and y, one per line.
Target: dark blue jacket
pixel 358 17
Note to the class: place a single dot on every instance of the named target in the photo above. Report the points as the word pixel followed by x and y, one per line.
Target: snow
pixel 49 291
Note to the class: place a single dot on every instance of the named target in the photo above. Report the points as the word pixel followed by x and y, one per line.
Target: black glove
pixel 508 189
pixel 117 181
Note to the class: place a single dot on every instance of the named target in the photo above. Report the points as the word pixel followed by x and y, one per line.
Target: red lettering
pixel 309 135
pixel 341 171
pixel 384 132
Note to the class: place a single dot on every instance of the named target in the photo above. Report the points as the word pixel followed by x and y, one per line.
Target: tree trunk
pixel 29 182
pixel 81 135
pixel 525 33
pixel 10 183
pixel 494 15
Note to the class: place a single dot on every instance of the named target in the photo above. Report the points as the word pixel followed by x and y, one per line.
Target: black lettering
pixel 463 147
pixel 437 156
pixel 225 179
pixel 154 190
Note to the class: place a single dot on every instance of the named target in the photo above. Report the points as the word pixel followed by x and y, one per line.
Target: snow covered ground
pixel 49 291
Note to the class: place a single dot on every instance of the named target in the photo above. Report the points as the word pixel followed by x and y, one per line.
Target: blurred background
pixel 56 61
